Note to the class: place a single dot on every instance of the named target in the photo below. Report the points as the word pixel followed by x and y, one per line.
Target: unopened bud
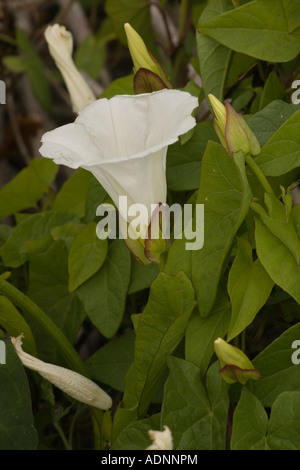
pixel 234 134
pixel 235 365
pixel 143 59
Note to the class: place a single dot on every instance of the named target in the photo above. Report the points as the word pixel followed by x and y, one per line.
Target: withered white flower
pixel 60 42
pixel 162 440
pixel 123 141
pixel 72 383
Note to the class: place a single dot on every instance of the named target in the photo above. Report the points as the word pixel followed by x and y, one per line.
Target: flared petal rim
pixel 122 128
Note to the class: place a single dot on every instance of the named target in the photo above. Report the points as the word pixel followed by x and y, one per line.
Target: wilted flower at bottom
pixel 70 382
pixel 162 440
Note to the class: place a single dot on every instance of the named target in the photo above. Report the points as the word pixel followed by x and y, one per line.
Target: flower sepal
pixel 231 374
pixel 137 249
pixel 156 242
pixel 146 81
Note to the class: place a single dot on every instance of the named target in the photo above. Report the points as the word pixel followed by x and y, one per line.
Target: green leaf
pixel 86 256
pixel 282 151
pixel 74 196
pixel 184 161
pixel 278 373
pixel 226 198
pixel 278 260
pixel 259 29
pixel 250 422
pixel 159 331
pixel 17 431
pixel 142 276
pixel 249 287
pixel 36 228
pixel 267 121
pixel 13 322
pixel 279 224
pixel 5 232
pixel 179 259
pixel 90 56
pixel 252 431
pixel 197 418
pixel 26 189
pixel 120 86
pixel 135 435
pixel 292 13
pixel 35 71
pixel 135 12
pixel 104 294
pixel 48 288
pixel 214 58
pixel 273 90
pixel 71 197
pixel 202 332
pixel 283 429
pixel 111 362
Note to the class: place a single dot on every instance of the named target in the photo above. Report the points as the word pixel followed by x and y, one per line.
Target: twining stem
pixel 51 330
pixel 259 174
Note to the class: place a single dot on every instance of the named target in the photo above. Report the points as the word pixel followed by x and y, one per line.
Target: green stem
pixel 24 303
pixel 259 174
pixel 59 429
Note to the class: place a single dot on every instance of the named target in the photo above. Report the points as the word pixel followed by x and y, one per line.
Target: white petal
pixel 123 142
pixel 142 180
pixel 135 125
pixel 162 440
pixel 69 145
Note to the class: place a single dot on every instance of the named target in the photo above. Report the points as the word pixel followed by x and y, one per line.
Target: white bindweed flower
pixel 123 141
pixel 72 383
pixel 162 440
pixel 60 42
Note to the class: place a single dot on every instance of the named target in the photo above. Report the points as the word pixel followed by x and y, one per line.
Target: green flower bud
pixel 143 59
pixel 234 134
pixel 235 365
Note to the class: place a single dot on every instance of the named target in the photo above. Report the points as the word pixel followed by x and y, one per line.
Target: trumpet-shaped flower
pixel 123 142
pixel 162 440
pixel 60 42
pixel 72 383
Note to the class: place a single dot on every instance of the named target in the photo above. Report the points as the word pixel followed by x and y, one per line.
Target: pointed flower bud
pixel 234 134
pixel 72 383
pixel 143 59
pixel 162 440
pixel 60 42
pixel 235 365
